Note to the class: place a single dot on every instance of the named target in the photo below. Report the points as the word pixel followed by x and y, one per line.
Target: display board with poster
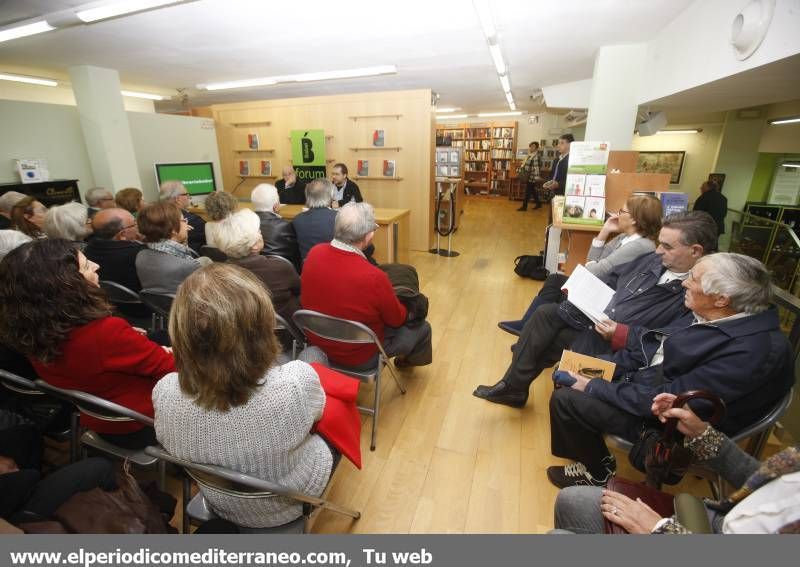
pixel 585 191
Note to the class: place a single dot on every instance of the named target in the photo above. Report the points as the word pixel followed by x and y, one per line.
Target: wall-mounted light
pixel 29 80
pixel 448 109
pixel 147 96
pixel 787 120
pixel 684 131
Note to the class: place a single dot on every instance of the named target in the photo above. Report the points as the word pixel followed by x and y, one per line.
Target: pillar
pixel 613 101
pixel 738 156
pixel 105 127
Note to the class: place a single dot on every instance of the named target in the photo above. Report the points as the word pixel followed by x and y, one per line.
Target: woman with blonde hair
pixel 231 404
pixel 130 199
pixel 27 216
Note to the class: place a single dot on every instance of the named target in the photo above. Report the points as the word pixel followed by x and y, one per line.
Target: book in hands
pixel 585 365
pixel 588 293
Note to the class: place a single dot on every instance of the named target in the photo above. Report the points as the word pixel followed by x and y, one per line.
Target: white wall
pixel 61 94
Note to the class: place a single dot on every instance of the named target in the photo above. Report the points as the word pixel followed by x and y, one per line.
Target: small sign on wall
pixel 32 170
pixel 785 189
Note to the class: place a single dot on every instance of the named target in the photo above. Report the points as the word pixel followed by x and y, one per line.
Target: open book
pixel 586 292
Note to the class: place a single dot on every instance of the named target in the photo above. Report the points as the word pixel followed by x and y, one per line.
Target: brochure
pixel 588 293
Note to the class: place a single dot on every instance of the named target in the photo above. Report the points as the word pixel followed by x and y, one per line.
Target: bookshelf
pixel 504 147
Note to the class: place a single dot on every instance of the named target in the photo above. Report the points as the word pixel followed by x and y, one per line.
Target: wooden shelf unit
pixel 251 124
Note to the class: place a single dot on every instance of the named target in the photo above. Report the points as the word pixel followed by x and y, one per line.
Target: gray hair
pixel 10 239
pixel 67 221
pixel 353 222
pixel 697 227
pixel 97 194
pixel 9 199
pixel 742 279
pixel 319 193
pixel 170 190
pixel 237 234
pixel 264 197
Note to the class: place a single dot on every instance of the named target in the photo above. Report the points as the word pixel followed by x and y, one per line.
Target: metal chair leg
pixel 74 437
pixel 186 496
pixel 390 366
pixel 375 411
pixel 162 475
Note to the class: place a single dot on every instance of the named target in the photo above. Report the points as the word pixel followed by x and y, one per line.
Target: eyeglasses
pixel 621 211
pixel 181 195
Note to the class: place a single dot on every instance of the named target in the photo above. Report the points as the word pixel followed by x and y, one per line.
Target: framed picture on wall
pixel 662 162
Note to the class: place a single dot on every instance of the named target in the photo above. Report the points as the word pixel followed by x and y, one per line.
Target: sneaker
pixel 576 474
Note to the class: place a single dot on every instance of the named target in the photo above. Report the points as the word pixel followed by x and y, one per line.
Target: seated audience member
pixel 648 293
pixel 337 280
pixel 130 199
pixel 166 261
pixel 292 191
pixel 712 201
pixel 7 202
pixel 279 237
pixel 731 345
pixel 27 216
pixel 219 206
pixel 766 501
pixel 11 360
pixel 98 198
pixel 114 247
pixel 345 189
pixel 53 311
pixel 69 221
pixel 240 239
pixel 638 225
pixel 316 224
pixel 228 389
pixel 10 239
pixel 174 191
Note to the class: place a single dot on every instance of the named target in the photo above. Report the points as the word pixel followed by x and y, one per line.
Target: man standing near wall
pixel 712 201
pixel 530 173
pixel 559 180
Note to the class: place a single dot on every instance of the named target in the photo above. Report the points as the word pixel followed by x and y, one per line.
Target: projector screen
pixel 197 177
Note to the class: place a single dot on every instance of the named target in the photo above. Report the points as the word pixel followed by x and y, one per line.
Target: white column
pixel 105 127
pixel 738 155
pixel 614 94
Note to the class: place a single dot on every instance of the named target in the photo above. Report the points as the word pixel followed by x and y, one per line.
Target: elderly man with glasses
pixel 99 198
pixel 176 192
pixel 114 246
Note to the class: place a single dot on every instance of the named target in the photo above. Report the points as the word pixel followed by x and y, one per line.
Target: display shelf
pixel 251 124
pixel 371 148
pixel 378 178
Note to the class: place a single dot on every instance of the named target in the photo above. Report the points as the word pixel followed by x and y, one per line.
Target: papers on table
pixel 586 292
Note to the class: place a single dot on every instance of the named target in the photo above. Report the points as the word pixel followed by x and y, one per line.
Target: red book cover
pixel 388 167
pixel 363 167
pixel 244 167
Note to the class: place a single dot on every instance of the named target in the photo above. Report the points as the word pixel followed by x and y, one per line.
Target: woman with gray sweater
pixel 167 261
pixel 231 404
pixel 638 225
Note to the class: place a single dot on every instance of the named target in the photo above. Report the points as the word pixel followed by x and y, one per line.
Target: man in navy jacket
pixel 730 345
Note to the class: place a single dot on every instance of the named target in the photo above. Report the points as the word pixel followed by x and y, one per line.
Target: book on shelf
pixel 453 157
pixel 244 167
pixel 266 167
pixel 363 167
pixel 252 141
pixel 442 170
pixel 503 132
pixel 453 171
pixel 389 167
pixel 377 138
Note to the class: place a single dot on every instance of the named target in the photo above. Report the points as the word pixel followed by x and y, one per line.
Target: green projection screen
pixel 198 177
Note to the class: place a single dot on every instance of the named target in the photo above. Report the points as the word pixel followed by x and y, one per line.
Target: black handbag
pixel 531 267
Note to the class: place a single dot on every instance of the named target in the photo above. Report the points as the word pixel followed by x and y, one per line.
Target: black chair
pixel 215 254
pixel 129 304
pixel 160 305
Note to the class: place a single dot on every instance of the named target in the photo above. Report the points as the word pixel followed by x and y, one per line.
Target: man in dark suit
pixel 346 190
pixel 559 180
pixel 176 192
pixel 291 191
pixel 315 225
pixel 712 201
pixel 114 247
pixel 278 234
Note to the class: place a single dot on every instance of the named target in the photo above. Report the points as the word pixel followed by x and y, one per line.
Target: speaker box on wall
pixel 655 122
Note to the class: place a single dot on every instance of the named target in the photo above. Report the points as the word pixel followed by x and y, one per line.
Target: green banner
pixel 308 148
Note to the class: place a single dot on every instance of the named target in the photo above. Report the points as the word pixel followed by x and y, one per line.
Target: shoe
pixel 538 206
pixel 401 362
pixel 576 474
pixel 511 327
pixel 522 209
pixel 502 393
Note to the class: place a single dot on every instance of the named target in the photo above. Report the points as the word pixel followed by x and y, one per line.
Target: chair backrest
pixel 159 303
pixel 280 258
pixel 766 422
pixel 95 406
pixel 334 328
pixel 215 254
pixel 119 294
pixel 19 384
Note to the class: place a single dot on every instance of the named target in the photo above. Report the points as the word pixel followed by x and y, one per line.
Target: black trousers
pixel 541 342
pixel 578 423
pixel 530 191
pixel 591 343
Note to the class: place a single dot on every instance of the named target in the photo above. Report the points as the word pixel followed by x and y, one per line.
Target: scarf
pixel 173 248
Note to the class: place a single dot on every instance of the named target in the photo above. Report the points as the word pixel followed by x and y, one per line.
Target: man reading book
pixel 647 292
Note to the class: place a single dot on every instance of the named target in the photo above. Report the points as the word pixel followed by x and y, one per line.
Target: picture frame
pixel 662 162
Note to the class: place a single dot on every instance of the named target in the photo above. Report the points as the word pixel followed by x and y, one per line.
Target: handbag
pixel 531 267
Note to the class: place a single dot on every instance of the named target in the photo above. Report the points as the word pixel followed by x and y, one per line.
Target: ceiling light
pixel 485 18
pixel 302 78
pixel 497 57
pixel 26 30
pixel 516 113
pixel 120 8
pixel 511 105
pixel 451 116
pixel 448 109
pixel 787 120
pixel 239 84
pixel 148 96
pixel 505 83
pixel 509 97
pixel 793 164
pixel 29 80
pixel 688 131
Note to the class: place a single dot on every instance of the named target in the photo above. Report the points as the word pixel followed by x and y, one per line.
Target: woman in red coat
pixel 53 310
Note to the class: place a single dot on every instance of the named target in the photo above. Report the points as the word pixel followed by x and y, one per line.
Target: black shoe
pixel 502 393
pixel 538 206
pixel 576 474
pixel 512 327
pixel 522 209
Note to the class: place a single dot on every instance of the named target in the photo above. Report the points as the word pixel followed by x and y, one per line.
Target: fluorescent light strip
pixel 689 131
pixel 148 96
pixel 510 98
pixel 497 58
pixel 451 116
pixel 448 109
pixel 794 165
pixel 485 18
pixel 29 80
pixel 504 82
pixel 24 31
pixel 302 78
pixel 512 106
pixel 788 120
pixel 120 8
pixel 486 114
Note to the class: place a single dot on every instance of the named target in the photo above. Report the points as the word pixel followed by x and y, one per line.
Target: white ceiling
pixel 434 44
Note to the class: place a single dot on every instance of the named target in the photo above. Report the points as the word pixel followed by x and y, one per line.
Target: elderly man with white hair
pixel 7 202
pixel 69 221
pixel 338 280
pixel 98 198
pixel 176 192
pixel 279 237
pixel 730 344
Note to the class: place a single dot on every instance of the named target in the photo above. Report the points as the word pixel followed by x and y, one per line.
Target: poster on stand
pixel 585 189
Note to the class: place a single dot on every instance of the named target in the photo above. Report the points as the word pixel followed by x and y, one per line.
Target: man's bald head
pixel 115 224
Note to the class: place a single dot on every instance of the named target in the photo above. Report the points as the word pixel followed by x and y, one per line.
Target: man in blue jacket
pixel 648 293
pixel 730 345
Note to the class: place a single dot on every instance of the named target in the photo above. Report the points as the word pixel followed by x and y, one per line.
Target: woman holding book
pixel 637 225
